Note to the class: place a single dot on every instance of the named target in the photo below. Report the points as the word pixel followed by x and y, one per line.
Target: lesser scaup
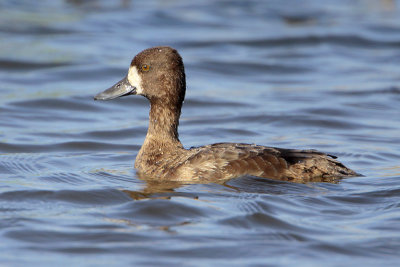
pixel 158 74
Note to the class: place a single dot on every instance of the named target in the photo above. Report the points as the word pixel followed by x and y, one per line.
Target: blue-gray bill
pixel 121 88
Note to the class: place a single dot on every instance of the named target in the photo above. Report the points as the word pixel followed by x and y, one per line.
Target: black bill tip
pixel 121 88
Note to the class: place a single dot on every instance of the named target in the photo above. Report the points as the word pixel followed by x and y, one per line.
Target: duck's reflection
pixel 156 189
pixel 159 190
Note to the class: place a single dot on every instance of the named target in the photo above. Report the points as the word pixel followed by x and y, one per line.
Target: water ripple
pixel 321 75
pixel 342 40
pixel 66 146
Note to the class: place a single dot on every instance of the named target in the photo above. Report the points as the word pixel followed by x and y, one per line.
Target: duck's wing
pixel 227 160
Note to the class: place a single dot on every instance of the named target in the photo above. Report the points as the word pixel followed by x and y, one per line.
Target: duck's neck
pixel 163 124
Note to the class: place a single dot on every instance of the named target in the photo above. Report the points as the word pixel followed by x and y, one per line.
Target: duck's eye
pixel 145 67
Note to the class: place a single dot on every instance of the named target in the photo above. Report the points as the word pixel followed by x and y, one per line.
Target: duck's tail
pixel 308 165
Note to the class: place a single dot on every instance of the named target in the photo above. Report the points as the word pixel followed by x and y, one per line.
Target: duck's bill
pixel 121 88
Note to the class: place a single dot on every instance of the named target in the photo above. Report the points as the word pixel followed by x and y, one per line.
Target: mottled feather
pixel 162 155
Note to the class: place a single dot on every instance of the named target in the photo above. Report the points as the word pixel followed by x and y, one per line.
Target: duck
pixel 158 74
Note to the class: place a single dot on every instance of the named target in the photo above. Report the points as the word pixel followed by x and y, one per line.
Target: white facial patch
pixel 135 80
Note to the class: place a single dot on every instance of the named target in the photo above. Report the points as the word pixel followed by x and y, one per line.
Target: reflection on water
pixel 156 189
pixel 153 189
pixel 321 75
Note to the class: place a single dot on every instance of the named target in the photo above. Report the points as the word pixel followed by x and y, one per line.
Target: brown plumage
pixel 158 74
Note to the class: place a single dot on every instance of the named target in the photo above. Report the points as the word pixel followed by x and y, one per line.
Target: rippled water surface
pixel 309 74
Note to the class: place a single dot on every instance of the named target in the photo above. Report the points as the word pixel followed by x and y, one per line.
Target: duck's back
pixel 228 160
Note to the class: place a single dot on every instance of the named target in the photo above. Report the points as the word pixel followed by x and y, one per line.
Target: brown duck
pixel 158 74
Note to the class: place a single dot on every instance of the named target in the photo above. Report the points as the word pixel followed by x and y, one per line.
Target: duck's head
pixel 156 73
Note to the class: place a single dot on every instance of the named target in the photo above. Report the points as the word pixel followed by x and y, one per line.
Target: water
pixel 320 74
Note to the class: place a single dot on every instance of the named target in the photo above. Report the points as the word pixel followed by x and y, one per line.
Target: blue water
pixel 310 74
